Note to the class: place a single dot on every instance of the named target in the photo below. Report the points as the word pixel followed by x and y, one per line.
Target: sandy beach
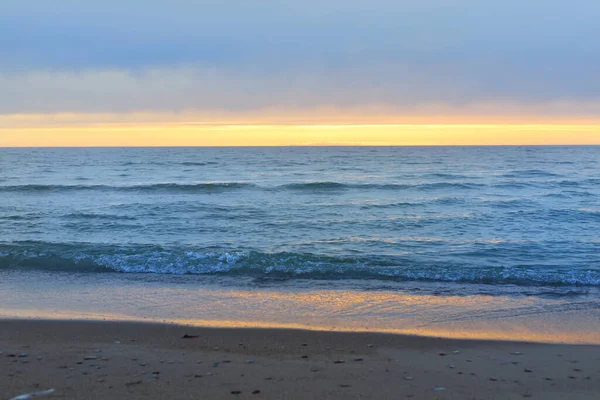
pixel 99 360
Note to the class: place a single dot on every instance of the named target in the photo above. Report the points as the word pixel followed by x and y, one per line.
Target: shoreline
pixel 451 311
pixel 257 326
pixel 113 359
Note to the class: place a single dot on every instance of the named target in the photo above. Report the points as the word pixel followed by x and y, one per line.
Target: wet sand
pixel 100 360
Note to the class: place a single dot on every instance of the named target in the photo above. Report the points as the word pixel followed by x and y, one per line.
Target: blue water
pixel 525 216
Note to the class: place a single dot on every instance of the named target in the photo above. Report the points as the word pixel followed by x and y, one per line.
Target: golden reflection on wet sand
pixel 466 317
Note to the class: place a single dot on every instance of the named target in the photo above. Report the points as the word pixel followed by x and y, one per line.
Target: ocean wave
pixel 309 187
pixel 324 186
pixel 197 163
pixel 314 186
pixel 82 257
pixel 93 216
pixel 529 173
pixel 162 187
pixel 399 204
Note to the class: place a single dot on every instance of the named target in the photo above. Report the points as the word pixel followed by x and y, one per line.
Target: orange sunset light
pixel 296 135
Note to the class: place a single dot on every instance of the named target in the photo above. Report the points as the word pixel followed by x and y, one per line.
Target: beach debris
pixel 198 361
pixel 456 352
pixel 304 357
pixel 527 395
pixel 216 347
pixel 516 353
pixel 236 392
pixel 304 344
pixel 370 345
pixel 442 354
pixel 23 355
pixel 451 366
pixel 133 383
pixel 215 364
pixel 493 379
pixel 90 357
pixel 34 394
pixel 255 391
pixel 250 361
pixel 358 359
pixel 527 370
pixel 186 336
pixel 339 362
pixel 408 378
pixel 439 389
pixel 548 379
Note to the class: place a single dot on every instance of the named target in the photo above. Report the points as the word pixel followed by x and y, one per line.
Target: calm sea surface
pixel 524 217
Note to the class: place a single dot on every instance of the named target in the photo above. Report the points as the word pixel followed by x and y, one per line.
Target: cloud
pixel 233 56
pixel 394 89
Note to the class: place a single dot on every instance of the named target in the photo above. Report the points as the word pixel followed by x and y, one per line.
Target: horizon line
pixel 303 145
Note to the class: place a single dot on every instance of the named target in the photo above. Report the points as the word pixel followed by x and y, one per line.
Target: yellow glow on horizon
pixel 164 134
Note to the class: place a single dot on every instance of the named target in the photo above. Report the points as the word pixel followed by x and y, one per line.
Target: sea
pixel 400 239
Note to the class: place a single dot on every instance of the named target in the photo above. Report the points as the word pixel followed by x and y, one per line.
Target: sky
pixel 264 72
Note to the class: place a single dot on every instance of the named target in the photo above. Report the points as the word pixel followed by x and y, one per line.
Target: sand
pixel 101 360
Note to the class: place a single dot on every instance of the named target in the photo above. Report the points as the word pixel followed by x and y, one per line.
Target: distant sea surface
pixel 528 217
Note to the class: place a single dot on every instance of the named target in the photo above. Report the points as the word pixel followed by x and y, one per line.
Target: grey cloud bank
pixel 131 55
